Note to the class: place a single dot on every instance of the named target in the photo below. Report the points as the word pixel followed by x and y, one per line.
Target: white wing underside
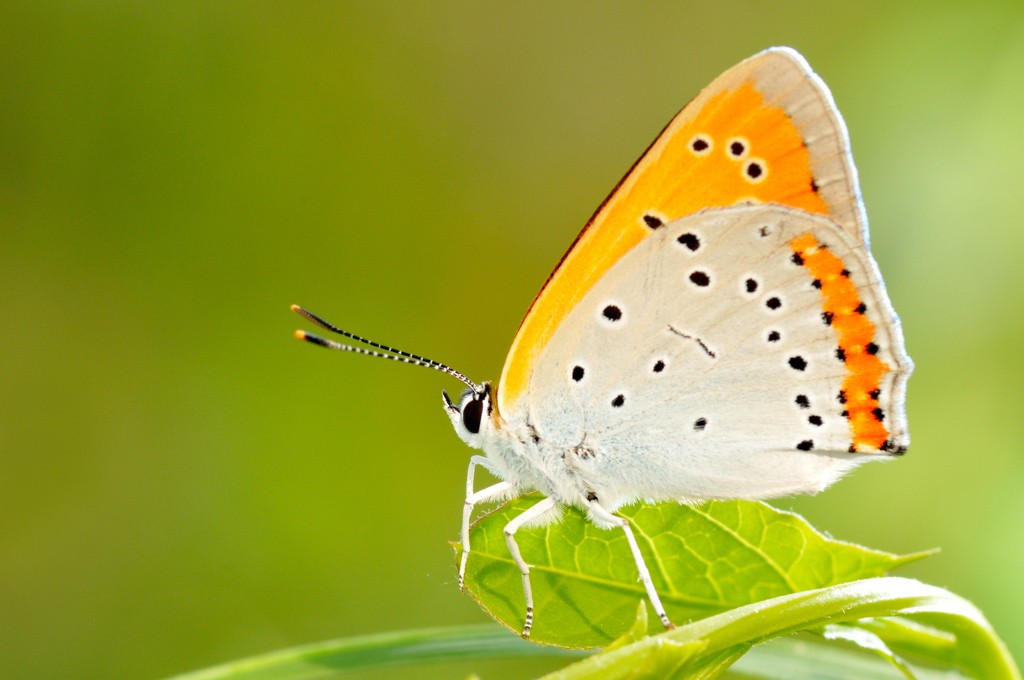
pixel 726 413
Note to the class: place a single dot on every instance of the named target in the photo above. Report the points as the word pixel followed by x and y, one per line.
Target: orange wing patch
pixel 736 149
pixel 730 145
pixel 844 311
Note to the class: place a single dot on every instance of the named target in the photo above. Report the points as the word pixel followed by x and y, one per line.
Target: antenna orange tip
pixel 301 335
pixel 295 308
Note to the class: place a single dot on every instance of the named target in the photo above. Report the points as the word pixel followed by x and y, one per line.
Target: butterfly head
pixel 471 416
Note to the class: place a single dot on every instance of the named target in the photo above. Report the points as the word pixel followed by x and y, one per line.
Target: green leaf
pixel 868 641
pixel 915 638
pixel 717 639
pixel 382 650
pixel 703 560
pixel 801 658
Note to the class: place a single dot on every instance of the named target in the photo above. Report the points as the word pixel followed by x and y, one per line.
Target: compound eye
pixel 472 412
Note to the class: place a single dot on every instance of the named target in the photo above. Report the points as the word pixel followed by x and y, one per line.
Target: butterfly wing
pixel 745 352
pixel 765 131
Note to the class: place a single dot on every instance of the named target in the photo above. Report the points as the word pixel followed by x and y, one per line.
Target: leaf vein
pixel 775 566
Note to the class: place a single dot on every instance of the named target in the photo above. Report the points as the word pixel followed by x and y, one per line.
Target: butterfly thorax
pixel 518 454
pixel 533 463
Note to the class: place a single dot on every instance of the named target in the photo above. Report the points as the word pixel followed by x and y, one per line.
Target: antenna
pixel 386 353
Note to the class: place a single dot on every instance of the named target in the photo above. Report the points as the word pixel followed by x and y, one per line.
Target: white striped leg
pixel 602 515
pixel 532 515
pixel 490 493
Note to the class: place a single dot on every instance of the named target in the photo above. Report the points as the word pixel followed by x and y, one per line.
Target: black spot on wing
pixel 653 221
pixel 689 240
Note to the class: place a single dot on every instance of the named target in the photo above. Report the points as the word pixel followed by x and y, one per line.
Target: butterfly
pixel 718 330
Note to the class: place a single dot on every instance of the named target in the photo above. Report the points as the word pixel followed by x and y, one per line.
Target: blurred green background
pixel 182 483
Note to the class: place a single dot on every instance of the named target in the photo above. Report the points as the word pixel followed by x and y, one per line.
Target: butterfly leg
pixel 490 493
pixel 533 515
pixel 604 517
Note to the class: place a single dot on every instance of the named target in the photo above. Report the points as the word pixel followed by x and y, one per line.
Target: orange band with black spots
pixel 844 311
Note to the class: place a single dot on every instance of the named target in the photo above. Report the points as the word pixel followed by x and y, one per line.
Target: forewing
pixel 764 131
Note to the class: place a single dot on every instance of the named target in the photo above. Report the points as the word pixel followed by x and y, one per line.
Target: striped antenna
pixel 384 353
